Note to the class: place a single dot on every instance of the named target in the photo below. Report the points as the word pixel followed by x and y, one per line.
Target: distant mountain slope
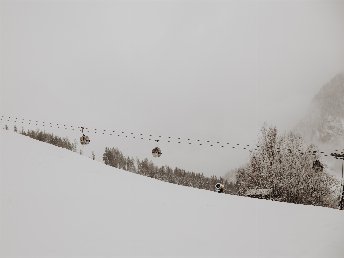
pixel 324 122
pixel 56 203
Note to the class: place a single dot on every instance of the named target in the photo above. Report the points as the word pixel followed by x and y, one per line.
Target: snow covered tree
pixel 130 164
pixel 285 165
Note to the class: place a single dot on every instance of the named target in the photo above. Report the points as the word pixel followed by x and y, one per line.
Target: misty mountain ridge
pixel 324 122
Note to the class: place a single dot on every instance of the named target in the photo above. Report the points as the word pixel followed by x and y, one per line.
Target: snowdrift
pixel 56 203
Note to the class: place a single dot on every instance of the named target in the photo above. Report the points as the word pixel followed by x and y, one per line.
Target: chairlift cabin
pixel 156 152
pixel 84 139
pixel 317 166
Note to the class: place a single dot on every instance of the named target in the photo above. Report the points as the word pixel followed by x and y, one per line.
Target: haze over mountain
pixel 324 122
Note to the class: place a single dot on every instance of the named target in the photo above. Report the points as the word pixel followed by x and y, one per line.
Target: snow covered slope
pixel 55 203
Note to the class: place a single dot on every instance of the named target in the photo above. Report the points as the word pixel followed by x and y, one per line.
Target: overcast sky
pixel 210 70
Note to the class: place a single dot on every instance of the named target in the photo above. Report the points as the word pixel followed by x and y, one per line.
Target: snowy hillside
pixel 55 203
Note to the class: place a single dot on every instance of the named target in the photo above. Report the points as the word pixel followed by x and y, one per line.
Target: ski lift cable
pixel 65 126
pixel 152 138
pixel 117 132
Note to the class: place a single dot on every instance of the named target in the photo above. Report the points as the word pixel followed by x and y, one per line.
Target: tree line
pixel 49 138
pixel 115 158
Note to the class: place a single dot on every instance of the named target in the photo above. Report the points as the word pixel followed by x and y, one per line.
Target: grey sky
pixel 215 70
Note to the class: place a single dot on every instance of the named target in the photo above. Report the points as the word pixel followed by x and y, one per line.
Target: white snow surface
pixel 56 203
